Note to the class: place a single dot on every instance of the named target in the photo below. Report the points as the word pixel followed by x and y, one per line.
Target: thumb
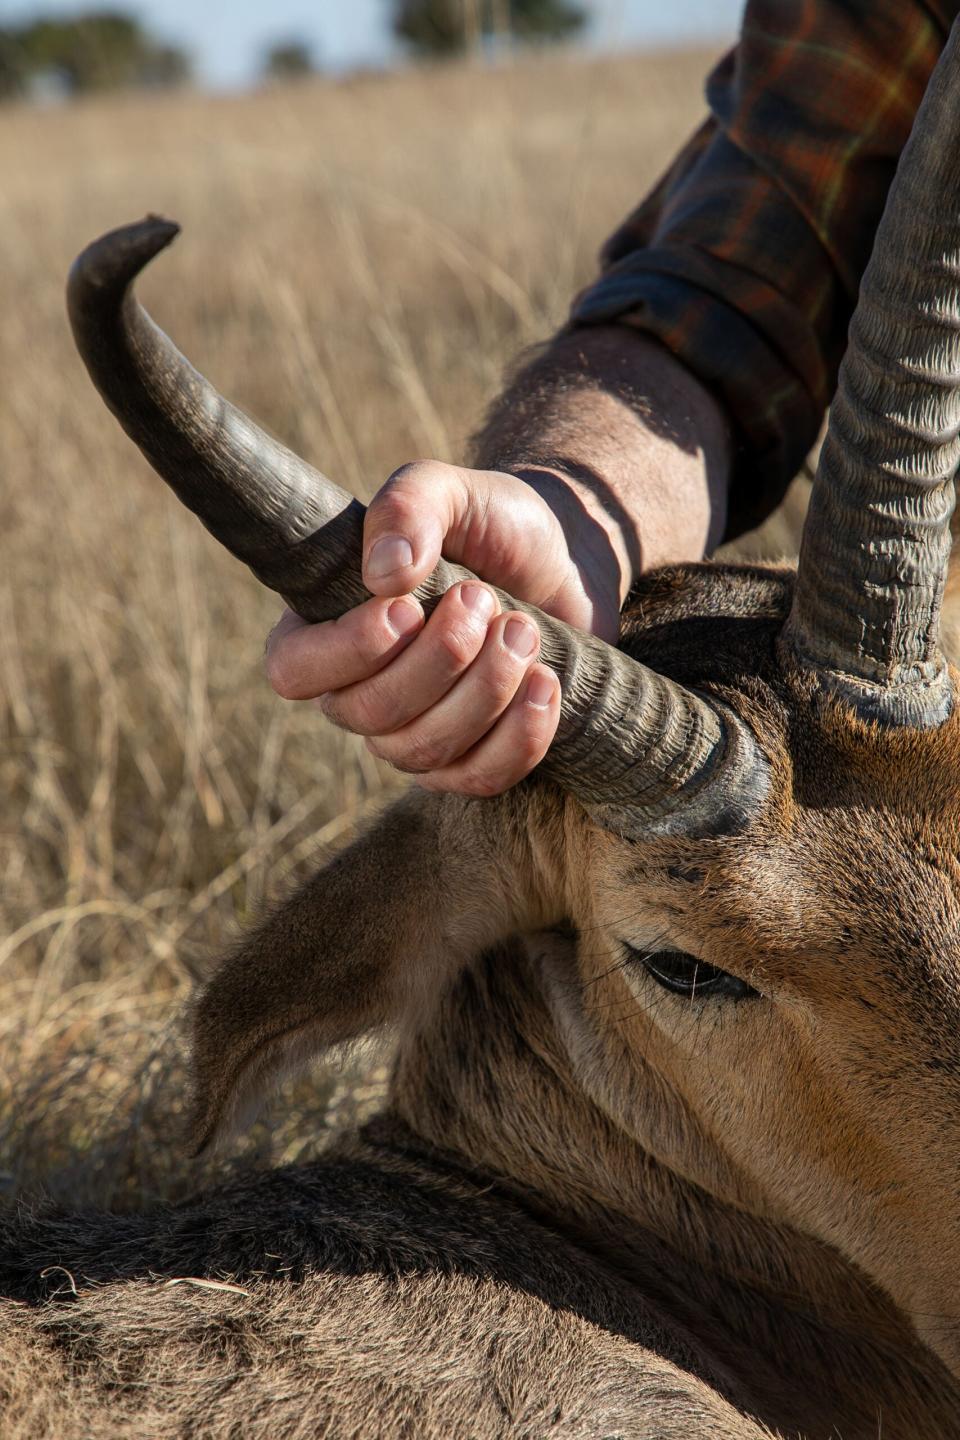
pixel 406 524
pixel 501 527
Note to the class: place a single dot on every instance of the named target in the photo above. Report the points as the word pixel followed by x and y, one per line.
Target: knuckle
pixel 330 710
pixel 350 710
pixel 382 705
pixel 399 497
pixel 422 753
pixel 483 784
pixel 530 751
pixel 392 510
pixel 414 472
pixel 459 642
pixel 533 741
pixel 499 680
pixel 368 644
pixel 363 713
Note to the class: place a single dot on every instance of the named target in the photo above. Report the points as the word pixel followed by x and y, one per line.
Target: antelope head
pixel 750 817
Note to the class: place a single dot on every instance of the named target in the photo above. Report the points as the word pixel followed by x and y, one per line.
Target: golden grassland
pixel 359 262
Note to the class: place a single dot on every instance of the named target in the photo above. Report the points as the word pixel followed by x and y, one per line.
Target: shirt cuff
pixel 698 305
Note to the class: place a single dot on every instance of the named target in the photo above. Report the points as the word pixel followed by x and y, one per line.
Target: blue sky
pixel 226 36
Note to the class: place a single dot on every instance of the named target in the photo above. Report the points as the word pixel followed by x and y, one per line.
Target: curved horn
pixel 866 613
pixel 631 745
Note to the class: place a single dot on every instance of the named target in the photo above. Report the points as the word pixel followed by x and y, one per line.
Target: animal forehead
pixel 878 871
pixel 846 863
pixel 847 895
pixel 864 828
pixel 863 839
pixel 699 623
pixel 885 779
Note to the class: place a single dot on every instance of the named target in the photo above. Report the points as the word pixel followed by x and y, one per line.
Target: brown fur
pixel 591 1208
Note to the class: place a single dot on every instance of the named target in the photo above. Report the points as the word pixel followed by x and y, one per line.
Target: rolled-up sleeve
pixel 746 258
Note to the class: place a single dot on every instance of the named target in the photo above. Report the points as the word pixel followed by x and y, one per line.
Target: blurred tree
pixel 449 27
pixel 13 68
pixel 532 20
pixel 165 67
pixel 289 60
pixel 102 50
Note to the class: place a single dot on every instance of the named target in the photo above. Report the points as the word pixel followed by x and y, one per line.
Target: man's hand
pixel 459 700
pixel 638 478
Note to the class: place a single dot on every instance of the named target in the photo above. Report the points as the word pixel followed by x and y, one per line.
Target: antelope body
pixel 672 1144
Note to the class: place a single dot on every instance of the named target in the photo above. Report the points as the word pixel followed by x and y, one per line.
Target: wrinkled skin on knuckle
pixel 329 706
pixel 482 784
pixel 371 639
pixel 528 753
pixel 419 754
pixel 358 708
pixel 534 740
pixel 367 709
pixel 499 678
pixel 459 640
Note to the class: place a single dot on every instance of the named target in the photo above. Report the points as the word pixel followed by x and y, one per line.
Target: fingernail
pixel 389 553
pixel 520 637
pixel 479 600
pixel 540 690
pixel 403 616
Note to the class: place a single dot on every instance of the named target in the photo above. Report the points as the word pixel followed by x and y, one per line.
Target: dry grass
pixel 359 262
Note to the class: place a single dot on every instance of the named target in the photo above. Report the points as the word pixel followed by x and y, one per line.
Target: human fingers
pixel 406 524
pixel 424 672
pixel 456 723
pixel 530 535
pixel 516 744
pixel 306 661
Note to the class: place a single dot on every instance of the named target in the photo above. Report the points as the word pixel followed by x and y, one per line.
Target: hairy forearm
pixel 624 443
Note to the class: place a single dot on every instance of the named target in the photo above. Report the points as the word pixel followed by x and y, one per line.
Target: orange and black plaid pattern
pixel 746 258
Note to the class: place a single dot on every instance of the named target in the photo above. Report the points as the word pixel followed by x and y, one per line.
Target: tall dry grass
pixel 359 262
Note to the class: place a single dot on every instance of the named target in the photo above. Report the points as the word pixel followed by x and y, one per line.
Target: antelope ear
pixel 431 883
pixel 321 969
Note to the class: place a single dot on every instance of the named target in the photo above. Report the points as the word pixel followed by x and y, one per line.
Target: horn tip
pixel 111 262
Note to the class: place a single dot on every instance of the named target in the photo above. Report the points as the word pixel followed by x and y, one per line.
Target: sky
pixel 226 37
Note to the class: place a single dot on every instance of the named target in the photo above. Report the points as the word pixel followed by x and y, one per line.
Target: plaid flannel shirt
pixel 746 258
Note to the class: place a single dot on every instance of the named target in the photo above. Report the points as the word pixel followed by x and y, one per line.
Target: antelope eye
pixel 686 975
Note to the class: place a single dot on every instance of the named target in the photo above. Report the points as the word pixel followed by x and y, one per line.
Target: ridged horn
pixel 866 613
pixel 631 745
